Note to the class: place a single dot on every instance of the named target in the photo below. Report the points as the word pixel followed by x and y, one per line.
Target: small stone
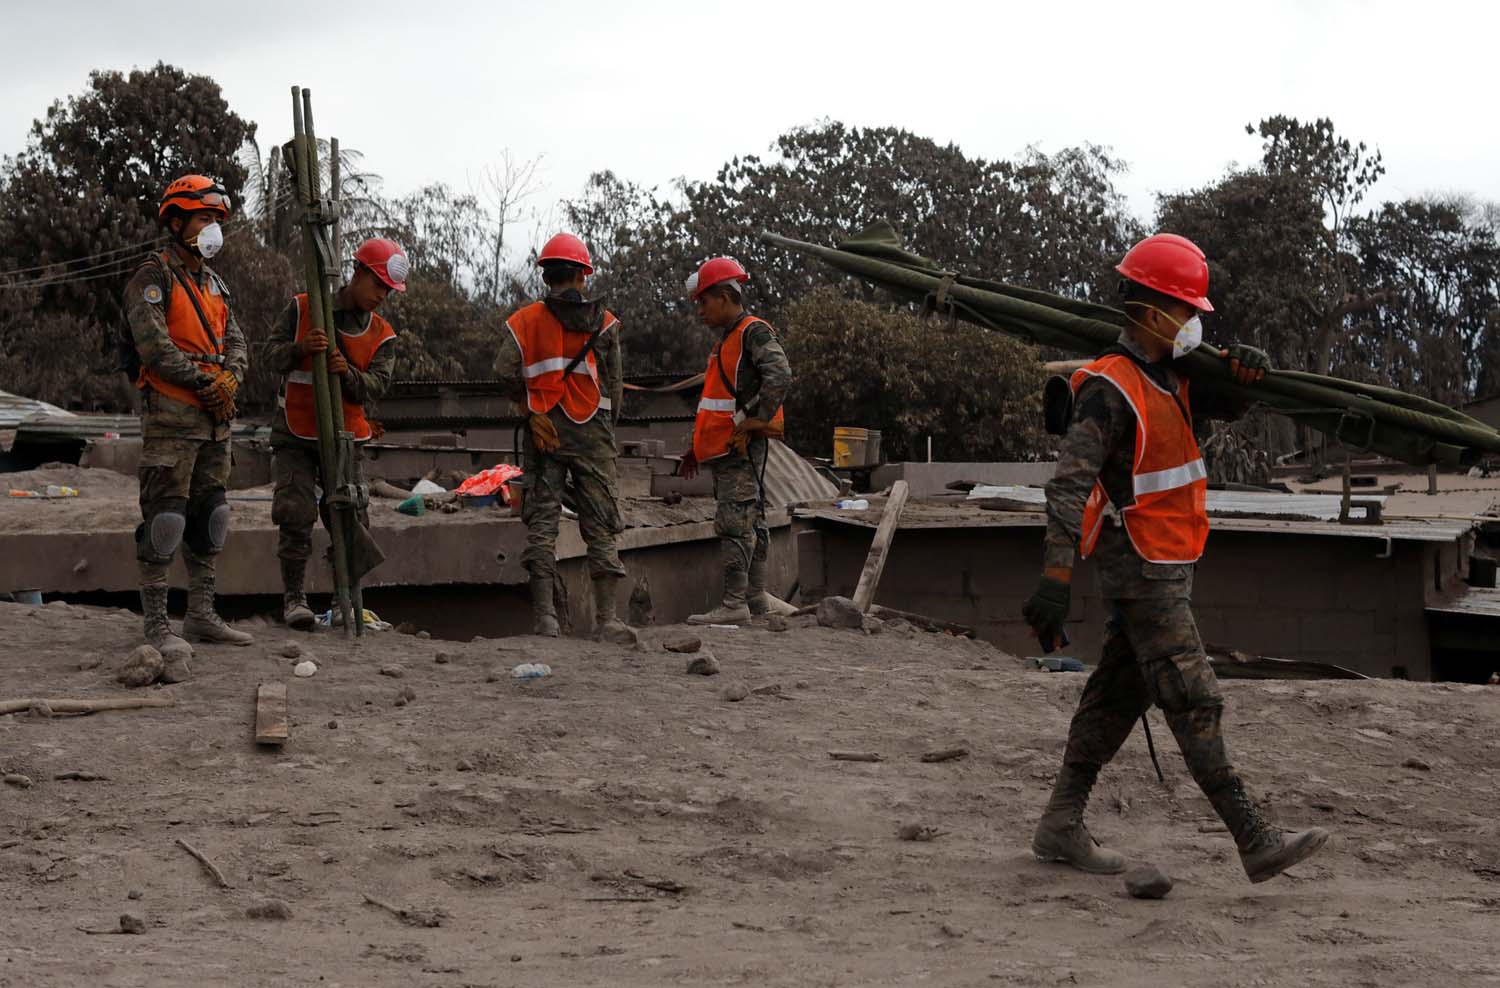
pixel 408 694
pixel 333 725
pixel 41 709
pixel 873 625
pixel 143 667
pixel 1417 764
pixel 134 894
pixel 777 622
pixel 898 626
pixel 92 662
pixel 393 670
pixel 18 780
pixel 515 958
pixel 424 634
pixel 406 628
pixel 291 650
pixel 401 701
pixel 1147 882
pixel 703 664
pixel 464 765
pixel 131 923
pixel 801 684
pixel 327 857
pixel 686 645
pixel 493 675
pixel 269 909
pixel 734 692
pixel 442 658
pixel 840 612
pixel 305 668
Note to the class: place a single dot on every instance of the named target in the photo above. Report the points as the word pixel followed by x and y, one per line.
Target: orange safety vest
pixel 298 399
pixel 547 348
pixel 714 427
pixel 203 345
pixel 1168 521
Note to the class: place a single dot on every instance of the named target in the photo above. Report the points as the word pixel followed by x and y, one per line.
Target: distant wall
pixel 1327 599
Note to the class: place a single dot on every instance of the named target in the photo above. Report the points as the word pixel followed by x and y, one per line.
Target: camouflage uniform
pixel 295 464
pixel 185 454
pixel 587 454
pixel 744 540
pixel 1152 652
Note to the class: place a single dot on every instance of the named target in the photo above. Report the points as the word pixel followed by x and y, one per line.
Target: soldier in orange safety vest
pixel 744 385
pixel 188 358
pixel 363 359
pixel 560 357
pixel 1129 492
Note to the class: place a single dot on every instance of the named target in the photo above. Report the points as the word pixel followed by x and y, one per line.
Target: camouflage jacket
pixel 279 353
pixel 574 437
pixel 146 297
pixel 1100 446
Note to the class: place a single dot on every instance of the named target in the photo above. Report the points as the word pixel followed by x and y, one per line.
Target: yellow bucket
pixel 855 447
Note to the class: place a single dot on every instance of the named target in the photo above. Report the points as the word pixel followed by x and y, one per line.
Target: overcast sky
pixel 655 90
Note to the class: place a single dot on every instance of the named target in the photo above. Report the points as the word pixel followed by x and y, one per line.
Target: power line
pixel 87 257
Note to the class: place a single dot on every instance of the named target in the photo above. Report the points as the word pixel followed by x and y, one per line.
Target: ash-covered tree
pixel 977 394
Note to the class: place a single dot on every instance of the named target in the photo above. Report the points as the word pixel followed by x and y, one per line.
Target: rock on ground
pixel 840 612
pixel 143 667
pixel 703 664
pixel 683 645
pixel 1147 882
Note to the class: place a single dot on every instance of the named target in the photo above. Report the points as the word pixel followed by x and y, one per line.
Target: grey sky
pixel 655 90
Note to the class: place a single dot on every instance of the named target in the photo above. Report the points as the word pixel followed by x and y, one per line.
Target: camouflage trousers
pixel 1153 655
pixel 182 497
pixel 739 521
pixel 590 463
pixel 295 505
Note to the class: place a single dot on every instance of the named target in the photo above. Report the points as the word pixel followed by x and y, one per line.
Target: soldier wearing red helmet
pixel 744 385
pixel 364 361
pixel 1129 490
pixel 190 358
pixel 560 357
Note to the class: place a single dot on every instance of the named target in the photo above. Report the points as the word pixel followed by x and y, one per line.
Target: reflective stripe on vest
pixel 202 345
pixel 713 429
pixel 1168 519
pixel 547 348
pixel 298 397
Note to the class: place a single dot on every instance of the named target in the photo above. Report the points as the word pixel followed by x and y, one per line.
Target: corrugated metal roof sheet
pixel 15 409
pixel 80 426
pixel 1473 602
pixel 791 480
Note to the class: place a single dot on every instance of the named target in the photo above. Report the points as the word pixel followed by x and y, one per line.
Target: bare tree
pixel 506 186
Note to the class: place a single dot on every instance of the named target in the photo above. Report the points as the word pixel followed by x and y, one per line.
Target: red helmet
pixel 715 271
pixel 1171 265
pixel 386 259
pixel 192 193
pixel 566 247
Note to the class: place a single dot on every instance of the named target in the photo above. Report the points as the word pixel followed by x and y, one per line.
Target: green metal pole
pixel 325 398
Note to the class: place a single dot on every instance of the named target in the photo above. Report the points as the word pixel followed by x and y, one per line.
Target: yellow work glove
pixel 544 433
pixel 218 396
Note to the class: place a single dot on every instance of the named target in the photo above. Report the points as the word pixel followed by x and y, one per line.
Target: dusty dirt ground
pixel 620 823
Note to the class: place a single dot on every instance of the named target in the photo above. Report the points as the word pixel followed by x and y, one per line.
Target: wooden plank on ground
pixel 271 726
pixel 869 579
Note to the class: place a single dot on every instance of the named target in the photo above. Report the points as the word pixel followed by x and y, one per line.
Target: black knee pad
pixel 208 524
pixel 157 538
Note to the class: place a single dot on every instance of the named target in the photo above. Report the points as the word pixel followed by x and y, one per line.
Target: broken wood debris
pixel 424 918
pixel 64 706
pixel 855 756
pixel 946 755
pixel 271 726
pixel 890 520
pixel 208 865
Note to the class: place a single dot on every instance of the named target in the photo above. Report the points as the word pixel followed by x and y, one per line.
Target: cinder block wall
pixel 1326 599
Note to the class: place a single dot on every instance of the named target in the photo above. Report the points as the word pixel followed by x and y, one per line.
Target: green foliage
pixel 977 394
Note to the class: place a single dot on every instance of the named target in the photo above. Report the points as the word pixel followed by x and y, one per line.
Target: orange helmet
pixel 566 247
pixel 716 271
pixel 1172 265
pixel 192 193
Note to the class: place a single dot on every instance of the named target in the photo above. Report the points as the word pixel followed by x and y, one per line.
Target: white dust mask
pixel 209 240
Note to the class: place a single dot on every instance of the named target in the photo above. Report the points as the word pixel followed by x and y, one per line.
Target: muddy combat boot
pixel 203 623
pixel 294 609
pixel 1061 836
pixel 158 630
pixel 733 610
pixel 755 595
pixel 607 625
pixel 543 608
pixel 1265 851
